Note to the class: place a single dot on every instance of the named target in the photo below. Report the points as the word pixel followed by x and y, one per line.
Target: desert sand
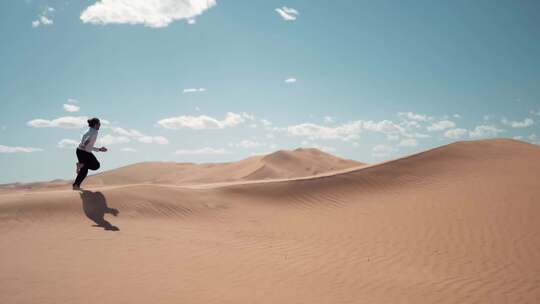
pixel 281 164
pixel 455 224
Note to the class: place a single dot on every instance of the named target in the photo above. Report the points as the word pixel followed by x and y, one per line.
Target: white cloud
pixel 203 122
pixel 202 151
pixel 191 21
pixel 246 143
pixel 414 116
pixel 265 122
pixel 313 131
pixel 248 116
pixel 487 117
pixel 530 138
pixel 408 142
pixel 7 149
pixel 160 140
pixel 485 131
pixel 347 131
pixel 139 136
pixel 44 18
pixel 67 143
pixel 329 119
pixel 441 125
pixel 45 21
pixel 290 80
pixel 151 13
pixel 383 126
pixel 111 140
pixel 193 90
pixel 72 100
pixel 455 133
pixel 71 107
pixel 68 122
pixel 382 150
pixel 416 135
pixel 233 119
pixel 527 122
pixel 456 115
pixel 128 149
pixel 287 13
pixel 410 124
pixel 128 133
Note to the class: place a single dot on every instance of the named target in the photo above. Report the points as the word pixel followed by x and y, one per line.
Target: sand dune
pixel 301 162
pixel 280 164
pixel 456 224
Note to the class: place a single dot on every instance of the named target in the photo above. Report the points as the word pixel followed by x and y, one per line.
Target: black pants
pixel 89 161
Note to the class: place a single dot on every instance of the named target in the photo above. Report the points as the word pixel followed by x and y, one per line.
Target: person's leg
pixel 83 158
pixel 93 163
pixel 90 163
pixel 81 176
pixel 78 167
pixel 79 164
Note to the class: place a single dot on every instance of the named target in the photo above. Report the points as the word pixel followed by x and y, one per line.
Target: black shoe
pixel 76 187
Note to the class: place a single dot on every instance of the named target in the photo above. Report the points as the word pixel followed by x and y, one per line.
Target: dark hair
pixel 92 122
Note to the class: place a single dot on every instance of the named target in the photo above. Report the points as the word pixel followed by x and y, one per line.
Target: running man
pixel 87 160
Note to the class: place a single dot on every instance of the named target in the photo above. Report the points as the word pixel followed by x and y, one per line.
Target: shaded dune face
pixel 455 224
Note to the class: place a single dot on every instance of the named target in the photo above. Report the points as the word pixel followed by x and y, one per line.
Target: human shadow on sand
pixel 95 207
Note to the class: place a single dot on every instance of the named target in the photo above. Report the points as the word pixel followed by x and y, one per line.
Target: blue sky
pixel 213 81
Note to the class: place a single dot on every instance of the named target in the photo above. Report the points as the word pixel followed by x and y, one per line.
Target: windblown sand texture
pixel 456 224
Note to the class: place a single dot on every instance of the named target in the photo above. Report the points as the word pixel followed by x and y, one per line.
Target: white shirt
pixel 88 140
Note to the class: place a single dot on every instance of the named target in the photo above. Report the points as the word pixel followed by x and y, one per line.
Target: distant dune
pixel 277 165
pixel 455 224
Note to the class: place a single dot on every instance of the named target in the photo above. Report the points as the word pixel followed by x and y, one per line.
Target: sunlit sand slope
pixel 456 224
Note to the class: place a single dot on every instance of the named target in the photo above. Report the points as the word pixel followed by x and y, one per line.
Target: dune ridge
pixel 454 224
